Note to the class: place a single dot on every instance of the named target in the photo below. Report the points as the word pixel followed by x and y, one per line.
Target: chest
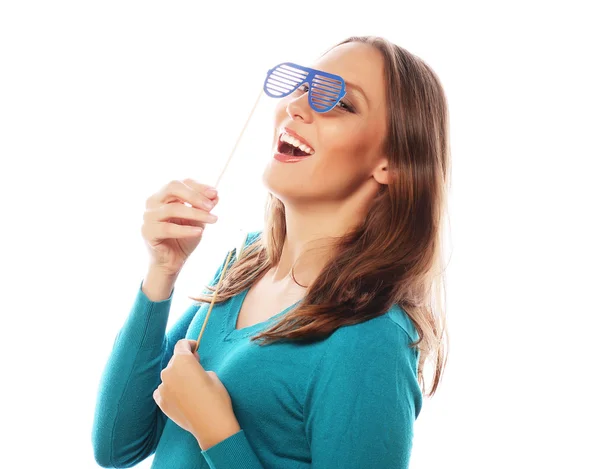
pixel 264 301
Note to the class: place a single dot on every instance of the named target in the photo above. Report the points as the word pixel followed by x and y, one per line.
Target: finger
pixel 159 231
pixel 165 221
pixel 184 346
pixel 156 396
pixel 167 212
pixel 180 191
pixel 210 191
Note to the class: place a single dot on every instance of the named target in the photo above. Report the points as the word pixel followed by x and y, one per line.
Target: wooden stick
pixel 238 140
pixel 239 256
pixel 212 302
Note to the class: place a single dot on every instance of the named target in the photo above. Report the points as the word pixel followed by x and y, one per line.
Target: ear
pixel 381 173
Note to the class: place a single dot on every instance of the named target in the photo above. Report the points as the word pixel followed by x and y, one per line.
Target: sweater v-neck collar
pixel 230 318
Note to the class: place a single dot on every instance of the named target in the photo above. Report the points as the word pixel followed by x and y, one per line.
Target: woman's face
pixel 347 141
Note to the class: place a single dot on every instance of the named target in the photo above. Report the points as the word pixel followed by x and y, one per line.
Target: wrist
pixel 158 285
pixel 220 433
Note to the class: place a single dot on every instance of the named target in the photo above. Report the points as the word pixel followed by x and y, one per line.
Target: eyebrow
pixel 355 89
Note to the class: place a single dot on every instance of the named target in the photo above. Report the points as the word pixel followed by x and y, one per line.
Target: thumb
pixel 184 346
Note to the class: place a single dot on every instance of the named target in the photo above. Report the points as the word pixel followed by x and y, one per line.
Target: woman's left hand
pixel 195 399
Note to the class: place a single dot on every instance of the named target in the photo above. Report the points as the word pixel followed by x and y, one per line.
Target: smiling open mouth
pixel 291 146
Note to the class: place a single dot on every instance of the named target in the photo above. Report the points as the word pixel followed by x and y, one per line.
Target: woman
pixel 339 287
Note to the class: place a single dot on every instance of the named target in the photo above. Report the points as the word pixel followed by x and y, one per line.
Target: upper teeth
pixel 295 142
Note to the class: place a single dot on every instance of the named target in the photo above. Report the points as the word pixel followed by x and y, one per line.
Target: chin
pixel 273 182
pixel 280 185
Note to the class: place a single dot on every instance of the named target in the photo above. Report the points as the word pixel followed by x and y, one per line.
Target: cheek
pixel 345 160
pixel 340 171
pixel 346 146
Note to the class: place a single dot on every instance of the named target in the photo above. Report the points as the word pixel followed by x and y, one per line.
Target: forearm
pixel 157 285
pixel 126 415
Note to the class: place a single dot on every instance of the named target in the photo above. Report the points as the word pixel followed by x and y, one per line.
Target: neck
pixel 311 231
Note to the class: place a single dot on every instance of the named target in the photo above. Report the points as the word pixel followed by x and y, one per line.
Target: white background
pixel 101 103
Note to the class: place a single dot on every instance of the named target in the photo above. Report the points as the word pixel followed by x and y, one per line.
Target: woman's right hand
pixel 171 229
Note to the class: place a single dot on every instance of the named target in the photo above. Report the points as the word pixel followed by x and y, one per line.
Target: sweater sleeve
pixel 234 451
pixel 362 401
pixel 127 422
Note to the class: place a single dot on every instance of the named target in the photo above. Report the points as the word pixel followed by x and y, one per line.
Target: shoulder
pixel 245 240
pixel 381 344
pixel 400 317
pixel 253 236
pixel 391 332
pixel 374 354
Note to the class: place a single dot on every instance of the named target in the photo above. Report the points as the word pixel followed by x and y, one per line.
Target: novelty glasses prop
pixel 325 90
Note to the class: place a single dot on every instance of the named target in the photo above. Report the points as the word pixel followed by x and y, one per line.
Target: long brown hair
pixel 376 267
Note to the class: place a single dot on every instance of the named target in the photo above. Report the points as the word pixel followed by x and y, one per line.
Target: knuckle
pixel 147 232
pixel 174 184
pixel 169 230
pixel 168 210
pixel 163 209
pixel 153 200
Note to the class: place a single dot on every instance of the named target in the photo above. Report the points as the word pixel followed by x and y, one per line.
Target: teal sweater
pixel 348 401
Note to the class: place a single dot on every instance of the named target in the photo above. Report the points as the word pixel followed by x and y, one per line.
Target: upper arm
pixel 362 398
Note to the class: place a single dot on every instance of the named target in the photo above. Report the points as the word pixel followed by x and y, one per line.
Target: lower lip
pixel 289 159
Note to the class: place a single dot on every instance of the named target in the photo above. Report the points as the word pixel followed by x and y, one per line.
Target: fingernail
pixel 211 192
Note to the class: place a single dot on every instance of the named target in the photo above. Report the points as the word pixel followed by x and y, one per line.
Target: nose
pixel 299 109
